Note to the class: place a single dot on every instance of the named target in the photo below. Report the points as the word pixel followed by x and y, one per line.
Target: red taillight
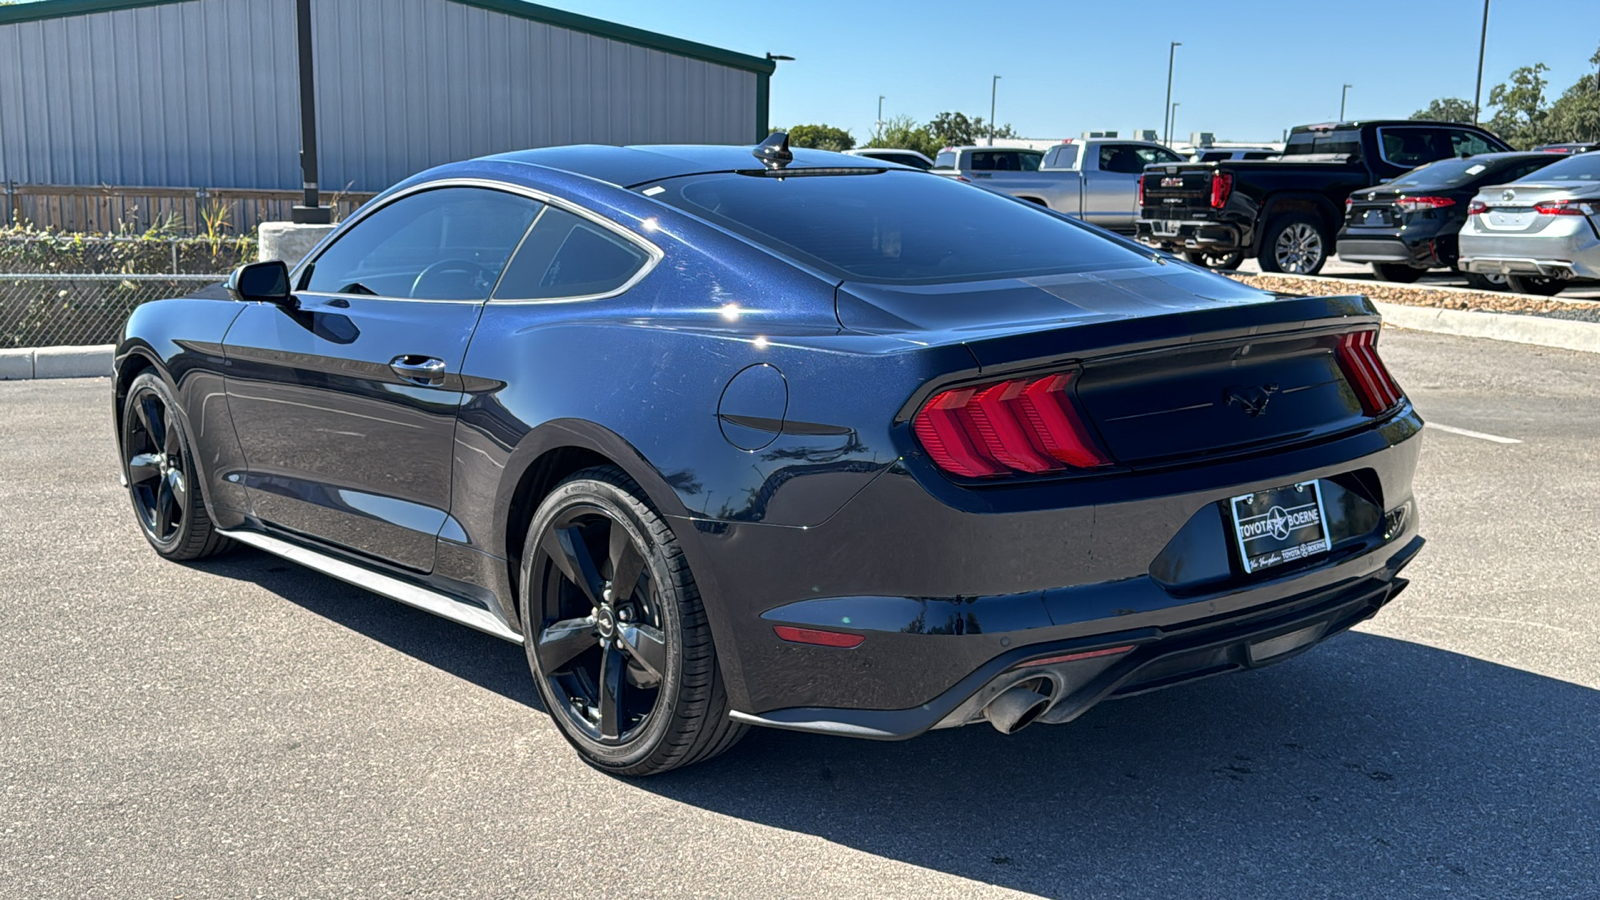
pixel 1221 188
pixel 1027 425
pixel 1562 208
pixel 1140 201
pixel 1348 203
pixel 1358 357
pixel 1412 204
pixel 1477 208
pixel 820 638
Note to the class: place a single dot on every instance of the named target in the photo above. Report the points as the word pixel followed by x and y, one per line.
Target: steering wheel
pixel 448 266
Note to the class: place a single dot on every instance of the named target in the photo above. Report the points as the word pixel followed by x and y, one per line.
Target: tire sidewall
pixel 625 509
pixel 1267 257
pixel 150 382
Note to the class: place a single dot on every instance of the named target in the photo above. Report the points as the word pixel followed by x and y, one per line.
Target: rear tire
pixel 1399 274
pixel 1223 262
pixel 615 632
pixel 1542 287
pixel 1294 244
pixel 158 464
pixel 1486 282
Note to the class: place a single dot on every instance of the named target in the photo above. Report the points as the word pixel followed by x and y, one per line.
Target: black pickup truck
pixel 1286 211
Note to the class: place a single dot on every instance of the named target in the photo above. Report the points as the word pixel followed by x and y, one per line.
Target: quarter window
pixel 441 244
pixel 569 256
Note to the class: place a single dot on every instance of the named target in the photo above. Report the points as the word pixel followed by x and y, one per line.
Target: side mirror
pixel 262 282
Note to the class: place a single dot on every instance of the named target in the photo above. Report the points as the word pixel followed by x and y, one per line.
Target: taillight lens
pixel 1140 201
pixel 1221 189
pixel 1477 208
pixel 1358 357
pixel 1348 204
pixel 1563 208
pixel 1412 204
pixel 1029 425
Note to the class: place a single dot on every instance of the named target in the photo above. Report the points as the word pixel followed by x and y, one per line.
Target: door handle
pixel 426 371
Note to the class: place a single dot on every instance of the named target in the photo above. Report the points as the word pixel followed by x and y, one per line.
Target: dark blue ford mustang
pixel 802 440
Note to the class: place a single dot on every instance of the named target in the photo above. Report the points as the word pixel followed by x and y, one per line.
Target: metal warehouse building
pixel 204 93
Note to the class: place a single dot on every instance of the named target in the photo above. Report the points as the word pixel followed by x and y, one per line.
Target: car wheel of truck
pixel 1485 282
pixel 1397 273
pixel 1227 262
pixel 1543 287
pixel 1293 244
pixel 616 634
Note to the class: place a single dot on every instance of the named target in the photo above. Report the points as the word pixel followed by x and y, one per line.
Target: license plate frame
pixel 1278 526
pixel 1164 228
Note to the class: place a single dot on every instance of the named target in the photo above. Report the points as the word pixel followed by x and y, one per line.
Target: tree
pixel 954 129
pixel 821 137
pixel 903 133
pixel 1446 109
pixel 1576 115
pixel 1519 107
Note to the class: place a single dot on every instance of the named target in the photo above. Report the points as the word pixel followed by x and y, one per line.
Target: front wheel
pixel 1398 274
pixel 162 482
pixel 615 631
pixel 1223 261
pixel 1532 284
pixel 1293 244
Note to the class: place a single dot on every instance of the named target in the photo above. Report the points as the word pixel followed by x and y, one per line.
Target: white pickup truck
pixel 1096 180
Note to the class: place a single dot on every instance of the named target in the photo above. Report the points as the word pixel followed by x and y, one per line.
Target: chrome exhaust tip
pixel 1016 708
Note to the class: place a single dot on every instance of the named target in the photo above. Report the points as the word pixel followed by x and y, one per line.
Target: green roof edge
pixel 57 9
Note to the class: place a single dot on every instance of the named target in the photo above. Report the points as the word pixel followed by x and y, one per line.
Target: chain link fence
pixel 53 310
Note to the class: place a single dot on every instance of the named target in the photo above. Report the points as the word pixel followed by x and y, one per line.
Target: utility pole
pixel 994 89
pixel 311 211
pixel 1342 94
pixel 1483 41
pixel 1166 131
pixel 879 134
pixel 1172 120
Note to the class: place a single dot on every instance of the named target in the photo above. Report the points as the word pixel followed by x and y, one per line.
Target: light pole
pixel 1483 40
pixel 311 211
pixel 1172 53
pixel 1172 120
pixel 1342 92
pixel 994 89
pixel 879 133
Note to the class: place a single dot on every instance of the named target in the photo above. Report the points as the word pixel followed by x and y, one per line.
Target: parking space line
pixel 1474 434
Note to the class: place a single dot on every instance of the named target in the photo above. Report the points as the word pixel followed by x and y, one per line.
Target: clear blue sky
pixel 1247 68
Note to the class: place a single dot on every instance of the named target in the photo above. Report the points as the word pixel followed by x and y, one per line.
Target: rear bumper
pixel 1124 663
pixel 1420 253
pixel 1571 252
pixel 1194 235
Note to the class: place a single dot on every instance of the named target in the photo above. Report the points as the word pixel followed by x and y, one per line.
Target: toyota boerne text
pixel 728 437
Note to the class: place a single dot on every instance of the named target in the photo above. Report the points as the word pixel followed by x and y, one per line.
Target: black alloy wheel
pixel 1398 274
pixel 1533 284
pixel 161 476
pixel 1222 261
pixel 617 638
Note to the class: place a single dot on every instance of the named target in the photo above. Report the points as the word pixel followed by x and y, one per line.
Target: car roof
pixel 636 165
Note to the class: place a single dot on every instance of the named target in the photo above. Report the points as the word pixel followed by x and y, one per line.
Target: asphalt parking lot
pixel 242 727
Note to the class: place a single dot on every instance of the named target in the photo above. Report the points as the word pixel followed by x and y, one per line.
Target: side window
pixel 982 161
pixel 1466 143
pixel 1120 158
pixel 1029 162
pixel 442 244
pixel 1412 147
pixel 945 160
pixel 1148 155
pixel 568 256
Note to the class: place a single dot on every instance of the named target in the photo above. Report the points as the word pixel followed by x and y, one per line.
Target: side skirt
pixel 410 594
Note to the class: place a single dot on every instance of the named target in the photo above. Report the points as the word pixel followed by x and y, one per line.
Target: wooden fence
pixel 119 210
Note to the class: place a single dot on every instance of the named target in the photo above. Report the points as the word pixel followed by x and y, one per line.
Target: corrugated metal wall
pixel 204 93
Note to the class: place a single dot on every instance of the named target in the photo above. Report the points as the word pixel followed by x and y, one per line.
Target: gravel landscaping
pixel 1435 297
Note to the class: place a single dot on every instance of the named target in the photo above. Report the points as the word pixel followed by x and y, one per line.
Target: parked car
pixel 1285 212
pixel 729 437
pixel 1568 148
pixel 904 157
pixel 1095 180
pixel 1228 154
pixel 1542 231
pixel 1409 225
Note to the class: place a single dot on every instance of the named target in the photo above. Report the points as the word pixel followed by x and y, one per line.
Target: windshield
pixel 896 226
pixel 1584 167
pixel 1453 173
pixel 1304 143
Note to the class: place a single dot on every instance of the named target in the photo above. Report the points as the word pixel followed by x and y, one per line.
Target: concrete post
pixel 289 241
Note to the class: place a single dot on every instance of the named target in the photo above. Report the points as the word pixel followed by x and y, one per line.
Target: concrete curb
pixel 56 362
pixel 1564 334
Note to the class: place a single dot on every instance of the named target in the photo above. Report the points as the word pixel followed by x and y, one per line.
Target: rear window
pixel 945 160
pixel 1583 167
pixel 1452 173
pixel 895 227
pixel 1304 143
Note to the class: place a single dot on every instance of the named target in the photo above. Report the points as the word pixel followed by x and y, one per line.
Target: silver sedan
pixel 1542 231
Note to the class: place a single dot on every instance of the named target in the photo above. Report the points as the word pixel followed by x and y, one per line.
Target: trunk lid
pixel 1176 363
pixel 1178 191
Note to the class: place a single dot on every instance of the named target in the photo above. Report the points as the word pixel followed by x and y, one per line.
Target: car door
pixel 346 406
pixel 1111 185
